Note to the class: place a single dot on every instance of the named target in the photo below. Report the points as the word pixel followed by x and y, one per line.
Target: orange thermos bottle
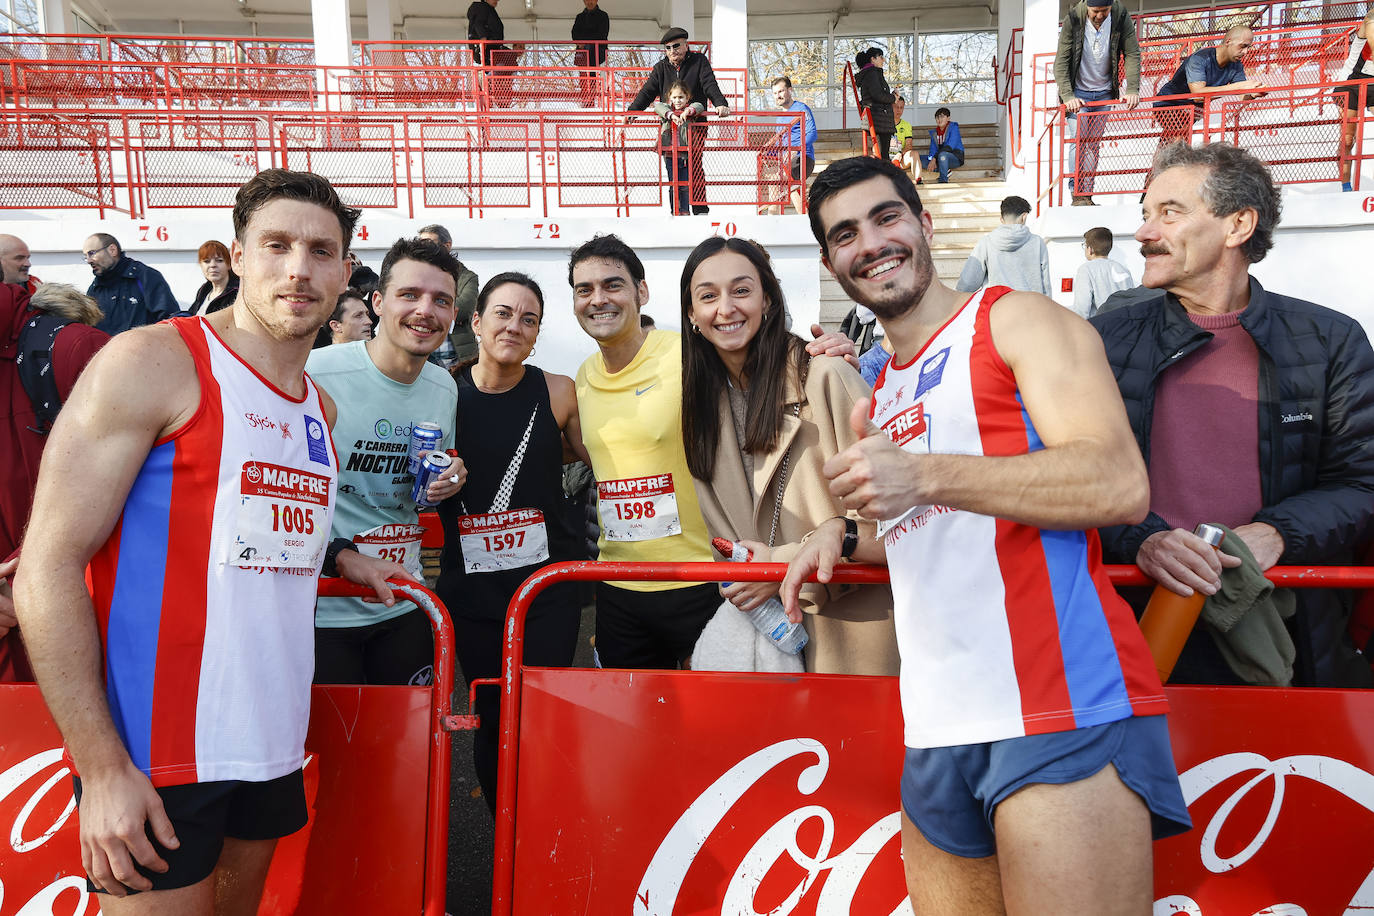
pixel 1169 618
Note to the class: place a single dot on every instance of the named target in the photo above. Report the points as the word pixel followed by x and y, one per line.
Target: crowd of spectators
pixel 1249 408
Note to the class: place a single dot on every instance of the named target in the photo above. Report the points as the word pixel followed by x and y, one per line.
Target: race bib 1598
pixel 638 508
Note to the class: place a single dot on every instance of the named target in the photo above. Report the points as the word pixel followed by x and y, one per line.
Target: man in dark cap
pixel 693 69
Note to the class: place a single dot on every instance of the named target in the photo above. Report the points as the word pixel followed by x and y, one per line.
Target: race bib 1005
pixel 282 519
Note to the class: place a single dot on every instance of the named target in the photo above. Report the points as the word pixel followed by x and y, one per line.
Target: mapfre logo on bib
pixel 908 425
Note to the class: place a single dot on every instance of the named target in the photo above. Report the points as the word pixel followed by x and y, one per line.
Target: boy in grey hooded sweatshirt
pixel 1010 255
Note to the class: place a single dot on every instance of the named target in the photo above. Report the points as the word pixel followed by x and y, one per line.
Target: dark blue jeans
pixel 679 190
pixel 944 161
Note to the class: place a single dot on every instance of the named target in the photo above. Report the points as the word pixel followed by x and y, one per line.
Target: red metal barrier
pixel 196 86
pixel 377 780
pixel 399 159
pixel 665 792
pixel 1295 130
pixel 1008 91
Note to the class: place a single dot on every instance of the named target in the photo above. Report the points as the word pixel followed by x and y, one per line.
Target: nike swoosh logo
pixel 639 391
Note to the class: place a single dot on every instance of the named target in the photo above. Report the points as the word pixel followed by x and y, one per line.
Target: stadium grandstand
pixel 117 118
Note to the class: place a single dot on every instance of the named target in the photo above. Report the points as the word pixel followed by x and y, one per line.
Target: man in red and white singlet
pixel 993 448
pixel 167 579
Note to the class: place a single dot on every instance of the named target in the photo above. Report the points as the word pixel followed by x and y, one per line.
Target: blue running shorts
pixel 952 793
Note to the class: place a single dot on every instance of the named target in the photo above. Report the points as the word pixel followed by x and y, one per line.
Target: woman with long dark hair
pixel 515 426
pixel 759 419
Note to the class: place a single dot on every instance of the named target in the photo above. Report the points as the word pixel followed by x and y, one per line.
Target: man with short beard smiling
pixel 1253 410
pixel 993 446
pixel 167 617
pixel 384 387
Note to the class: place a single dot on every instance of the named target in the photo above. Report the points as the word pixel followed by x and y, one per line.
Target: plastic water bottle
pixel 769 618
pixel 1169 618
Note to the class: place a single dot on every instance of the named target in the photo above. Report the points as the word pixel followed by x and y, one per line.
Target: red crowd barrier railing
pixel 159 48
pixel 1007 86
pixel 442 722
pixel 477 161
pixel 214 86
pixel 1296 130
pixel 1214 20
pixel 512 681
pixel 449 53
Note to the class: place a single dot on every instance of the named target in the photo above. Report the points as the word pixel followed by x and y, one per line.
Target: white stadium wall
pixel 488 246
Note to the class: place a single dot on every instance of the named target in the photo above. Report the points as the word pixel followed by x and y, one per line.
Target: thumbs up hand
pixel 873 475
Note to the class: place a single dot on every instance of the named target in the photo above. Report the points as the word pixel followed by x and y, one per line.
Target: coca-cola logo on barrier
pixel 662 881
pixel 1273 777
pixel 44 807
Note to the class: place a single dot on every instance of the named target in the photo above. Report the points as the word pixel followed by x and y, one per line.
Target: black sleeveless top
pixel 488 431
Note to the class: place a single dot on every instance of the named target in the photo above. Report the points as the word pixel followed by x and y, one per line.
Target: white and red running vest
pixel 205 591
pixel 1005 630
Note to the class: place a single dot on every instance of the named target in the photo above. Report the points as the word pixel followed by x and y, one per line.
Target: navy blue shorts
pixel 951 794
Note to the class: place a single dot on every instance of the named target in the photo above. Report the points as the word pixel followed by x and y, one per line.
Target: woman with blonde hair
pixel 66 301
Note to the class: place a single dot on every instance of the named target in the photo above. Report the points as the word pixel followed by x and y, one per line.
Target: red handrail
pixel 1010 96
pixel 441 723
pixel 503 879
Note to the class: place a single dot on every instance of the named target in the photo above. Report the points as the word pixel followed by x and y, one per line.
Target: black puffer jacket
pixel 1316 446
pixel 877 97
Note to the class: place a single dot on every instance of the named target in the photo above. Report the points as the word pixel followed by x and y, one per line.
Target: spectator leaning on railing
pixel 694 70
pixel 1203 73
pixel 1093 39
pixel 1252 410
pixel 591 27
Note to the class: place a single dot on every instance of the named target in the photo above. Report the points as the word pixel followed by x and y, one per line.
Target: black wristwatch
pixel 330 568
pixel 851 537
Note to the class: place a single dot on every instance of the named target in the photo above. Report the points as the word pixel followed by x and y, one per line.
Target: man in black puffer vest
pixel 1252 409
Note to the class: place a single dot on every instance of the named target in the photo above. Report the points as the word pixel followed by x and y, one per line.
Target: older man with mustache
pixel 1251 409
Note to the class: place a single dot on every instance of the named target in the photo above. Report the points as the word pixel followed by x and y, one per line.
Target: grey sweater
pixel 1010 255
pixel 1096 280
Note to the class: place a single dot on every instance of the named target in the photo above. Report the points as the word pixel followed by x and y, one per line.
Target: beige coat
pixel 850 627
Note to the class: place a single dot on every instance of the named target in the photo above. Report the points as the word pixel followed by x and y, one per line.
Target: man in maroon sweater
pixel 21 446
pixel 1252 410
